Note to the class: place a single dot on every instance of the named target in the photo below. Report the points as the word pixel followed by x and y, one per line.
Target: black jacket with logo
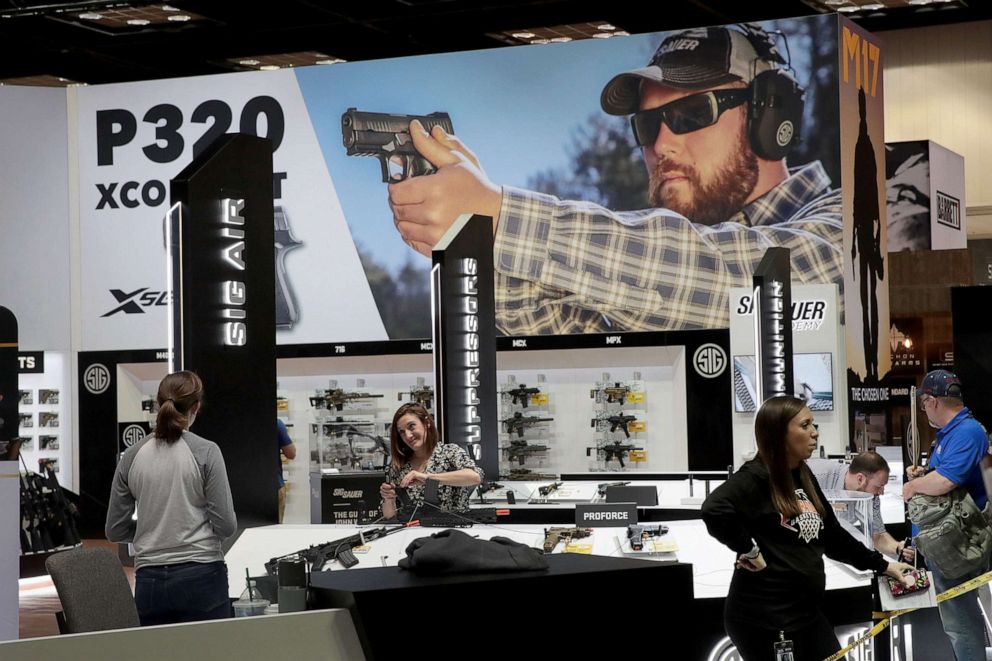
pixel 787 593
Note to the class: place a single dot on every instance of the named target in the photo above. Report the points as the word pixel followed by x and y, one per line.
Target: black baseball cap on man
pixel 699 58
pixel 941 383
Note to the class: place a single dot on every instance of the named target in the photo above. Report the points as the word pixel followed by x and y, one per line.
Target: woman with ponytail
pixel 177 484
pixel 774 516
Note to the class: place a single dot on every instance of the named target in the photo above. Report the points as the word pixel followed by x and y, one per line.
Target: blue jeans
pixel 961 616
pixel 186 592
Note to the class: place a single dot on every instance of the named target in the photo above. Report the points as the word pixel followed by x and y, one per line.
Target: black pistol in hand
pixel 387 137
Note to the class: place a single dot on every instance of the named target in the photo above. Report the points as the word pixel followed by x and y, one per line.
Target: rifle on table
pixel 601 489
pixel 486 487
pixel 523 474
pixel 318 555
pixel 554 535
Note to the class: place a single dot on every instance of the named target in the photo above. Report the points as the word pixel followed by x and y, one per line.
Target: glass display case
pixel 853 510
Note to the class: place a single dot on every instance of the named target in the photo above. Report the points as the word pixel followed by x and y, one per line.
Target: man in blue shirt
pixel 955 461
pixel 287 448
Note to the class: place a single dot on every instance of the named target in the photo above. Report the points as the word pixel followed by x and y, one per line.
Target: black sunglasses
pixel 690 113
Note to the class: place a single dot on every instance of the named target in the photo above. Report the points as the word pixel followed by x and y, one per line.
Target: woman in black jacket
pixel 773 514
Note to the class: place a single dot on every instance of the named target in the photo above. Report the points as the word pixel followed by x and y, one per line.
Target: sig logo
pixel 784 134
pixel 132 434
pixel 96 378
pixel 709 360
pixel 136 301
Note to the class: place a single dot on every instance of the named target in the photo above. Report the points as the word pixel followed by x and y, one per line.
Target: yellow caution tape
pixel 887 616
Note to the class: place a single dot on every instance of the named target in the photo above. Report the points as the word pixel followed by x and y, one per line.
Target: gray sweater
pixel 182 498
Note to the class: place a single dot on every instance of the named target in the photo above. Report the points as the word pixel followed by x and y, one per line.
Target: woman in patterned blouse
pixel 417 455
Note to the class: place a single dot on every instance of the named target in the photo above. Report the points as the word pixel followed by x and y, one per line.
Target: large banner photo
pixel 632 181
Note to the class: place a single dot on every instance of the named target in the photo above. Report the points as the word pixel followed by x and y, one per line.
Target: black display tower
pixel 220 235
pixel 464 339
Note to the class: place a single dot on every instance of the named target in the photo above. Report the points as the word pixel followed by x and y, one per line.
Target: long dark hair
pixel 771 427
pixel 400 451
pixel 178 396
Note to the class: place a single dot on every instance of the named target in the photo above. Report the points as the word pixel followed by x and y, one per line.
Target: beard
pixel 716 199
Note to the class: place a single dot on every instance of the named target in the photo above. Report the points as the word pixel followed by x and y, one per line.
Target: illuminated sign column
pixel 464 333
pixel 773 323
pixel 222 271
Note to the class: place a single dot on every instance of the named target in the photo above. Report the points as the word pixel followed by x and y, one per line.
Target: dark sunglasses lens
pixel 691 113
pixel 646 125
pixel 682 116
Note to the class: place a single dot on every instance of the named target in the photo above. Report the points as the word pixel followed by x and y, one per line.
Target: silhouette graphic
pixel 867 237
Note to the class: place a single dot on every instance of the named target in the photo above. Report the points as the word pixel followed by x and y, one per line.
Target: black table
pixel 611 602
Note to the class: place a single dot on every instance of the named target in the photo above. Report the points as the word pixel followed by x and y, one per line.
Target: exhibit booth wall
pixel 818 368
pixel 350 275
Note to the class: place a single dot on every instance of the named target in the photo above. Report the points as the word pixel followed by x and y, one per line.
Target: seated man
pixel 868 472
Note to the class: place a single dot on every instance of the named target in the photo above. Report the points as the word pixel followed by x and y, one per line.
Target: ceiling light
pixel 138 21
pixel 541 41
pixel 269 67
pixel 621 33
pixel 523 35
pixel 91 16
pixel 248 63
pixel 330 60
pixel 602 35
pixel 834 3
pixel 873 6
pixel 180 18
pixel 169 8
pixel 606 26
pixel 848 10
pixel 560 40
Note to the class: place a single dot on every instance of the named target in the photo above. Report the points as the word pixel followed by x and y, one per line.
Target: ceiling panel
pixel 50 38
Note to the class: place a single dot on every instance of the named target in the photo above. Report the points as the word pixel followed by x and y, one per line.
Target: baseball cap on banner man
pixel 941 383
pixel 692 59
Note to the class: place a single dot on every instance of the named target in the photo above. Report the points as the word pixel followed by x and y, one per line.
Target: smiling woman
pixel 417 456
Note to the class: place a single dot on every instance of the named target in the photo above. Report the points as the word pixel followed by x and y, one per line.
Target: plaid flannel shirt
pixel 576 267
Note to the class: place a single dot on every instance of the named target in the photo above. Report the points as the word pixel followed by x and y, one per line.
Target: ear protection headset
pixel 775 115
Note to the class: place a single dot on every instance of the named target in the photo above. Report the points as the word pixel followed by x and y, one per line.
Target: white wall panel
pixel 34 215
pixel 938 86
